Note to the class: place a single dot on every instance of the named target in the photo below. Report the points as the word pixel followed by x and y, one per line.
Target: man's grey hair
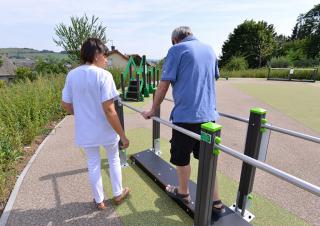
pixel 181 32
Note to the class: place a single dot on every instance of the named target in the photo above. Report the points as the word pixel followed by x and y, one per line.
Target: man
pixel 191 68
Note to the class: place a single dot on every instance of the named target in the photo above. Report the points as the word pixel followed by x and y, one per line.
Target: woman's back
pixel 87 87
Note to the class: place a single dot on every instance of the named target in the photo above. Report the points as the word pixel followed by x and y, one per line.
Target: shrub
pixel 116 73
pixel 25 109
pixel 249 73
pixel 51 66
pixel 305 62
pixel 280 62
pixel 24 73
pixel 236 63
pixel 2 84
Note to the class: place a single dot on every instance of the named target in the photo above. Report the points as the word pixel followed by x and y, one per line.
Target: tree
pixel 1 61
pixel 308 28
pixel 281 43
pixel 51 65
pixel 255 41
pixel 70 38
pixel 236 63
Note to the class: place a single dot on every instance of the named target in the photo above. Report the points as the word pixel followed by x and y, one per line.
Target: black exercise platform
pixel 163 173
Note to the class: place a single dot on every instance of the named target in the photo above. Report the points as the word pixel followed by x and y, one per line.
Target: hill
pixel 24 53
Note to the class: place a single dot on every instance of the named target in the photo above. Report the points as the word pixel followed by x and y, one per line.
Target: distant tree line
pixel 256 44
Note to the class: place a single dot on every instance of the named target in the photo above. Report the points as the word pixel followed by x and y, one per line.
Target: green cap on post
pixel 210 126
pixel 259 111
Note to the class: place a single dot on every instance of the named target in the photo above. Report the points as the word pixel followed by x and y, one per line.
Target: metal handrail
pixel 272 170
pixel 289 68
pixel 222 114
pixel 167 123
pixel 256 163
pixel 292 133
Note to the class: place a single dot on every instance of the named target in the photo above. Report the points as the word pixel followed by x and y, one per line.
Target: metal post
pixel 122 152
pixel 122 87
pixel 150 82
pixel 314 74
pixel 252 148
pixel 154 76
pixel 156 132
pixel 207 169
pixel 138 86
pixel 158 72
pixel 145 90
pixel 130 72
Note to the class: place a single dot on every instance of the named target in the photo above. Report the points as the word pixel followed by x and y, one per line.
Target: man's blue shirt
pixel 192 68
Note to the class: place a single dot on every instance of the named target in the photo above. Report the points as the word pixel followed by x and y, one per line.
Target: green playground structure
pixel 143 80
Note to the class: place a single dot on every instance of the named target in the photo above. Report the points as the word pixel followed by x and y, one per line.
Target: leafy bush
pixel 51 66
pixel 249 73
pixel 116 73
pixel 24 73
pixel 304 62
pixel 280 62
pixel 25 109
pixel 2 84
pixel 297 74
pixel 236 63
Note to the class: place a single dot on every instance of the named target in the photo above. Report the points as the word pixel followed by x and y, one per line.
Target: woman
pixel 89 94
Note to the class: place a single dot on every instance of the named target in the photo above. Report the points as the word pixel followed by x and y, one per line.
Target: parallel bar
pixel 263 166
pixel 252 148
pixel 234 117
pixel 298 69
pixel 207 169
pixel 222 114
pixel 274 171
pixel 293 133
pixel 167 123
pixel 156 131
pixel 273 128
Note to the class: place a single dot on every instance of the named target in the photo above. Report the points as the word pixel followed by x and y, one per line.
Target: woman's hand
pixel 125 142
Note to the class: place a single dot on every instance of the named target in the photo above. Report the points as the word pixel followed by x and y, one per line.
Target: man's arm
pixel 67 107
pixel 158 98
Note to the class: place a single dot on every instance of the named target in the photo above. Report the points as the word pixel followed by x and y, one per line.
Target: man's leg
pixel 215 195
pixel 183 173
pixel 181 146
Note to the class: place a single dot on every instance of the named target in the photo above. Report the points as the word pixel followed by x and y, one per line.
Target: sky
pixel 142 26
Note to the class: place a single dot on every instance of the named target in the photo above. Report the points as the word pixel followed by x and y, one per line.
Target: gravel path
pixel 56 190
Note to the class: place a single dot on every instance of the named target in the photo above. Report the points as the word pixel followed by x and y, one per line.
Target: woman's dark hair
pixel 90 48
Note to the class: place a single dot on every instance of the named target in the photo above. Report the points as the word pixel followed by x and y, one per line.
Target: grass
pixel 149 205
pixel 139 105
pixel 299 101
pixel 26 109
pixel 263 73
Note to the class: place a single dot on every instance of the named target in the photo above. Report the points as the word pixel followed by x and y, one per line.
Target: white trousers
pixel 94 168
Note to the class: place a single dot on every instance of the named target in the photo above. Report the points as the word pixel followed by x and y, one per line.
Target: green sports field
pixel 300 101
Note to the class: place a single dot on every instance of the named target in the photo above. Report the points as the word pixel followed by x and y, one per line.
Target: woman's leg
pixel 115 169
pixel 94 168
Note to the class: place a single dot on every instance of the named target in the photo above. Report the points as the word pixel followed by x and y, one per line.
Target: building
pixel 7 69
pixel 118 60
